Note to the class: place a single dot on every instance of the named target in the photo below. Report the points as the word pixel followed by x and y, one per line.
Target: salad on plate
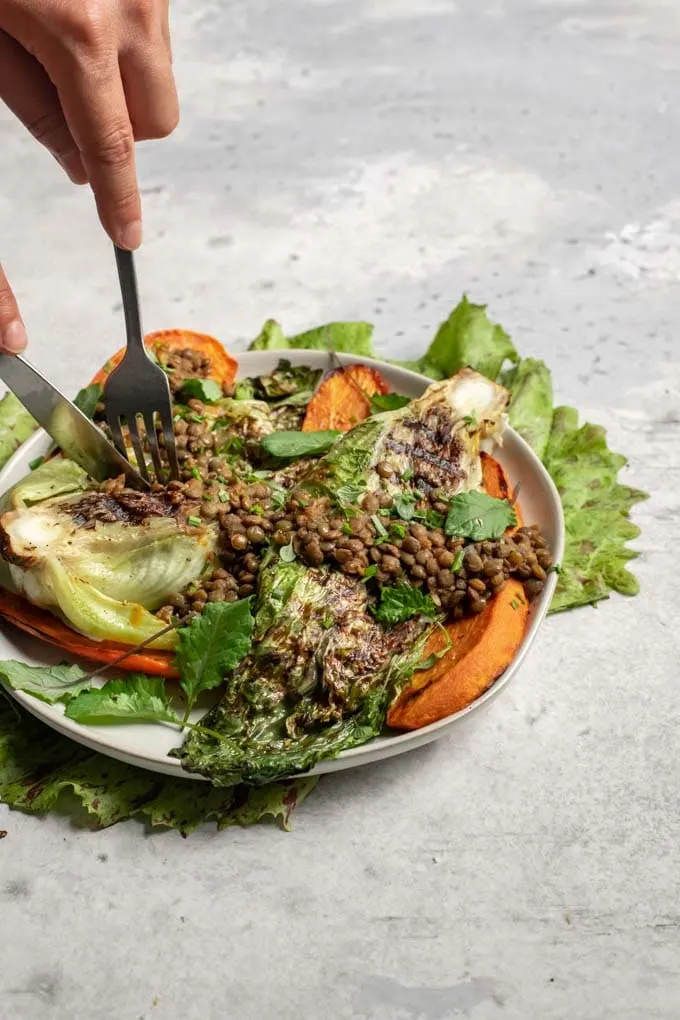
pixel 336 560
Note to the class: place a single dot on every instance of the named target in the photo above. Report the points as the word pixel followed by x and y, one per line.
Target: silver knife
pixel 72 431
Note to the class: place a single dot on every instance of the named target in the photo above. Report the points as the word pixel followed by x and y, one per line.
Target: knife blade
pixel 72 431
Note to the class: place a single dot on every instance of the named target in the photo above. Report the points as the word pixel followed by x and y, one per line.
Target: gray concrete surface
pixel 375 158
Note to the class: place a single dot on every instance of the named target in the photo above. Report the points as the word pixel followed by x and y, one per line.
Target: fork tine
pixel 170 446
pixel 137 446
pixel 117 434
pixel 152 440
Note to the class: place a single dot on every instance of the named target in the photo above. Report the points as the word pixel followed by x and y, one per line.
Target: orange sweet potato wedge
pixel 343 399
pixel 41 624
pixel 482 646
pixel 223 366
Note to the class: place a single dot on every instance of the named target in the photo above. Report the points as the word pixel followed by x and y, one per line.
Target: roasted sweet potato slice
pixel 482 646
pixel 497 483
pixel 223 366
pixel 42 624
pixel 343 399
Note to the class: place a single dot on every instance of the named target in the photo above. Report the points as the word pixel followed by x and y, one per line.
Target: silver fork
pixel 137 387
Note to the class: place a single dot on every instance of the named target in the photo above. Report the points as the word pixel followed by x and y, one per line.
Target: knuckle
pixel 143 17
pixel 114 149
pixel 84 25
pixel 50 130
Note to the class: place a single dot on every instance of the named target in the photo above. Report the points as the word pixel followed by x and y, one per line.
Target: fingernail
pixel 131 236
pixel 13 338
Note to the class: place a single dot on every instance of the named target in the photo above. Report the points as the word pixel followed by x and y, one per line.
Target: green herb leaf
pixel 370 572
pixel 388 402
pixel 244 390
pixel 88 398
pixel 134 698
pixel 398 530
pixel 279 497
pixel 349 495
pixel 206 390
pixel 401 602
pixel 290 445
pixel 404 504
pixel 48 683
pixel 33 464
pixel 458 561
pixel 479 516
pixel 380 528
pixel 212 646
pixel 287 553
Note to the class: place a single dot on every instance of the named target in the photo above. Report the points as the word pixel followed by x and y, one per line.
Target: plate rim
pixel 381 747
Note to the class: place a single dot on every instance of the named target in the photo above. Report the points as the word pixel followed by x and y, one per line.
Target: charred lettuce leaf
pixel 102 562
pixel 317 681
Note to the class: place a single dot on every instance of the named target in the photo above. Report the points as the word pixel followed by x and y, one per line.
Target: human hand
pixel 88 78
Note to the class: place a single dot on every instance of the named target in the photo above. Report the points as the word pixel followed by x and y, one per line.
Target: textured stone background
pixel 375 158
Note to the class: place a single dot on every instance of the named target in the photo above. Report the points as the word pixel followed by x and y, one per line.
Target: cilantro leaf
pixel 287 445
pixel 348 494
pixel 47 683
pixel 479 516
pixel 388 402
pixel 206 390
pixel 133 698
pixel 287 553
pixel 401 603
pixel 370 571
pixel 212 645
pixel 404 504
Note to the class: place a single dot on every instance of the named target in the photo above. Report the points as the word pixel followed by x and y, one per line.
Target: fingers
pixel 29 93
pixel 95 108
pixel 150 91
pixel 12 331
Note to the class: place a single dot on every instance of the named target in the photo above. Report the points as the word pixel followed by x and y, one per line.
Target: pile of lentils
pixel 459 575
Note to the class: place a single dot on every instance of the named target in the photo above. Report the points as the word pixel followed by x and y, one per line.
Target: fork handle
pixel 128 288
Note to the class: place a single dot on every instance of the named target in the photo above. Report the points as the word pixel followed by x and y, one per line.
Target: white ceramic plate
pixel 147 744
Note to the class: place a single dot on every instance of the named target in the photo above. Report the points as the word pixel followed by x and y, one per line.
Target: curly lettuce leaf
pixel 596 512
pixel 343 337
pixel 16 425
pixel 468 339
pixel 38 765
pixel 531 406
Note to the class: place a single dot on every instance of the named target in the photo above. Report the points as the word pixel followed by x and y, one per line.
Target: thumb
pixel 12 331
